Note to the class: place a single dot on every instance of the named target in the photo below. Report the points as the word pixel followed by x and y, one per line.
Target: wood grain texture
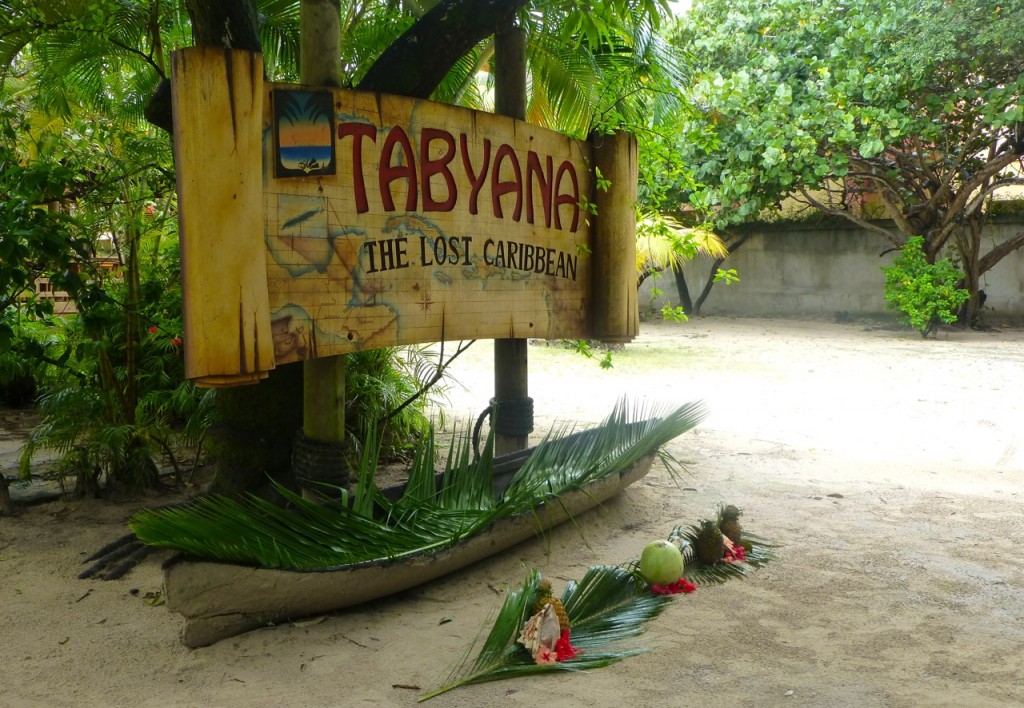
pixel 616 315
pixel 218 111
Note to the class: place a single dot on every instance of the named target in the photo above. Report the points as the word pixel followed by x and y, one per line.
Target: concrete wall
pixel 815 270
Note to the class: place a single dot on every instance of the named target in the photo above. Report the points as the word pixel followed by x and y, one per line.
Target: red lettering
pixel 437 166
pixel 573 198
pixel 476 180
pixel 534 171
pixel 389 172
pixel 499 187
pixel 358 131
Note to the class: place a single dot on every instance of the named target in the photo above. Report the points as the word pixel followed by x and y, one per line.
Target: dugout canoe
pixel 220 600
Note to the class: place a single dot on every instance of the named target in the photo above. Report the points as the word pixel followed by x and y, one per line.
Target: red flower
pixel 152 330
pixel 680 586
pixel 735 553
pixel 564 649
pixel 176 342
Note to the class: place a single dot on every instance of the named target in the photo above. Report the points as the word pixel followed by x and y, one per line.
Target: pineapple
pixel 708 543
pixel 545 597
pixel 729 522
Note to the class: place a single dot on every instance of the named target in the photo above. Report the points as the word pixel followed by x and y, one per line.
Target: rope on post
pixel 512 417
pixel 320 465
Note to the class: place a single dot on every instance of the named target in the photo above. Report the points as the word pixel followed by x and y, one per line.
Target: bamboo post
pixel 512 408
pixel 616 315
pixel 217 97
pixel 323 397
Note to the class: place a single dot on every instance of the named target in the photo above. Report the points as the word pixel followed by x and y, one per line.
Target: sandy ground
pixel 889 467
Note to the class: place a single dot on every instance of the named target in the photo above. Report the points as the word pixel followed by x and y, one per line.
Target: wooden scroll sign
pixel 321 221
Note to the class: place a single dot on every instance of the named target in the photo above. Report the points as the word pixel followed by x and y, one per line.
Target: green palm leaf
pixel 610 605
pixel 605 608
pixel 369 527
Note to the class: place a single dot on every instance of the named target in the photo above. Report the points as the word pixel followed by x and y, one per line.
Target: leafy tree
pixel 903 109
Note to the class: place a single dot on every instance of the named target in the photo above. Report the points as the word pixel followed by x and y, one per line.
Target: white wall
pixel 815 270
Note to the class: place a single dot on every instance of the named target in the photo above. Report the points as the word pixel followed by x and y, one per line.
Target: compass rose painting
pixel 304 131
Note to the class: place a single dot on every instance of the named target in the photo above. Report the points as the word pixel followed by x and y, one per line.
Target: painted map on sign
pixel 433 223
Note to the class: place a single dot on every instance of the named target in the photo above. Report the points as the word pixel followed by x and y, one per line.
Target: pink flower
pixel 545 655
pixel 680 586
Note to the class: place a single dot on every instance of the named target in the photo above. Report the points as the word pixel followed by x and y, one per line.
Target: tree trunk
pixel 710 282
pixel 968 245
pixel 683 289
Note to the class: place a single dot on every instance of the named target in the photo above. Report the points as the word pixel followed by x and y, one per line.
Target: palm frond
pixel 761 551
pixel 610 605
pixel 371 527
pixel 607 607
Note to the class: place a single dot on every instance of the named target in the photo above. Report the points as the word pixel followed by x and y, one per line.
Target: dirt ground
pixel 890 469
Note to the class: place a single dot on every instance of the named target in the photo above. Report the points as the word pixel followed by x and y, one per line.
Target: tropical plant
pixel 36 358
pixel 662 242
pixel 119 413
pixel 427 518
pixel 390 390
pixel 37 237
pixel 906 110
pixel 925 294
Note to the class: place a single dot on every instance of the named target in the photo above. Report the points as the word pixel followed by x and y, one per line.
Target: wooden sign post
pixel 511 407
pixel 318 221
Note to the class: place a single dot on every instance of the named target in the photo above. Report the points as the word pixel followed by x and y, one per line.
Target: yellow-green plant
pixel 924 293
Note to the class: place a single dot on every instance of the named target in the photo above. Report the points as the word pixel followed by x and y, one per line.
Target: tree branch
pixel 977 200
pixel 999 252
pixel 417 61
pixel 863 223
pixel 978 179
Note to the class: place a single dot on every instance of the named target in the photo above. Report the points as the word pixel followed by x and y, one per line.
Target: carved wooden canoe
pixel 220 600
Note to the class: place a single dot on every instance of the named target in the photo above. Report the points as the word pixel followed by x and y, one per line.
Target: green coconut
pixel 661 563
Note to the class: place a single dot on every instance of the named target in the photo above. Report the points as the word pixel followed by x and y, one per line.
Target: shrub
pixel 925 293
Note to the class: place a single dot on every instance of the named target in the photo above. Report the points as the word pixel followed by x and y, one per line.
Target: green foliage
pixel 378 384
pixel 122 404
pixel 116 420
pixel 606 608
pixel 34 240
pixel 853 98
pixel 307 535
pixel 727 276
pixel 908 110
pixel 36 358
pixel 925 293
pixel 588 350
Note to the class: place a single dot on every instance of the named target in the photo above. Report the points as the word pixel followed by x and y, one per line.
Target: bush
pixel 925 293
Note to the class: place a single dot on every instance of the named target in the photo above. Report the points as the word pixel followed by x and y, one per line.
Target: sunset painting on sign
pixel 304 129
